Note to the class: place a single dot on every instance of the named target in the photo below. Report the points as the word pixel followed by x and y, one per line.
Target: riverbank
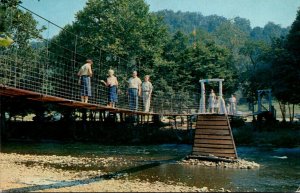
pixel 48 173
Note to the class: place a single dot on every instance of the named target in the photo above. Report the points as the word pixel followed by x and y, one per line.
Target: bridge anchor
pixel 213 139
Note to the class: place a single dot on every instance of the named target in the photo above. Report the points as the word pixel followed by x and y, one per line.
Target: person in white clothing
pixel 216 105
pixel 211 101
pixel 146 93
pixel 232 102
pixel 134 91
pixel 112 84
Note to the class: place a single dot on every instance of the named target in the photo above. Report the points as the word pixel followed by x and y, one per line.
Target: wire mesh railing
pixel 37 74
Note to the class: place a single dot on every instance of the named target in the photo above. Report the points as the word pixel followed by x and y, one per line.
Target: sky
pixel 259 12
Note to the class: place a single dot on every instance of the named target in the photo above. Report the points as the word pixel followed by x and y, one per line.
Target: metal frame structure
pixel 259 93
pixel 222 106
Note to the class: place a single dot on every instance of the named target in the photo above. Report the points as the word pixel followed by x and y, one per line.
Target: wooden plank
pixel 210 117
pixel 210 158
pixel 228 155
pixel 202 123
pixel 213 141
pixel 11 91
pixel 212 127
pixel 202 136
pixel 213 150
pixel 214 132
pixel 213 145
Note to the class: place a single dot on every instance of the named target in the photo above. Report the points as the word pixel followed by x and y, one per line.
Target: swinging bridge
pixel 50 76
pixel 47 72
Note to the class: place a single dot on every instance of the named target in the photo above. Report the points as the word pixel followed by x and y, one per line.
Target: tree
pixel 254 73
pixel 231 36
pixel 108 30
pixel 293 39
pixel 209 61
pixel 268 32
pixel 286 68
pixel 175 46
pixel 22 27
pixel 284 76
pixel 243 24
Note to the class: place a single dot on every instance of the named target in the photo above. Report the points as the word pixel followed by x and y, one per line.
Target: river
pixel 279 171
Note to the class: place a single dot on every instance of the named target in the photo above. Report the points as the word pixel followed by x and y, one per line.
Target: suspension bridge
pixel 39 73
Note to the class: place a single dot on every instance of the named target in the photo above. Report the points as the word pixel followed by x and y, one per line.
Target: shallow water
pixel 279 171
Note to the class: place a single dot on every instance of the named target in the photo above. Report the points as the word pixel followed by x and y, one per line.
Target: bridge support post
pixel 222 106
pixel 202 99
pixel 258 101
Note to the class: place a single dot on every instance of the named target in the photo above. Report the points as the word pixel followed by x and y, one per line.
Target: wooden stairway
pixel 213 138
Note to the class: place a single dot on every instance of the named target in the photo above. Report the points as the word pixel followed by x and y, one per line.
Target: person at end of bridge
pixel 232 102
pixel 147 91
pixel 85 73
pixel 134 91
pixel 211 101
pixel 112 84
pixel 217 105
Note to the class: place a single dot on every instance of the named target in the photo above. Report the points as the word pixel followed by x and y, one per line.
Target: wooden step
pixel 213 141
pixel 213 150
pixel 221 146
pixel 204 136
pixel 227 155
pixel 211 117
pixel 212 123
pixel 212 131
pixel 213 136
pixel 212 127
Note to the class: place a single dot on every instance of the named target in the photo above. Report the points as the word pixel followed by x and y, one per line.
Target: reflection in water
pixel 280 168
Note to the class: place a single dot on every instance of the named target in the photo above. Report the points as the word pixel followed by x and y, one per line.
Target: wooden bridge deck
pixel 30 95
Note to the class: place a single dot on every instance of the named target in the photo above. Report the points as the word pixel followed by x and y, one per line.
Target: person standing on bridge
pixel 85 73
pixel 112 84
pixel 211 101
pixel 147 91
pixel 134 91
pixel 232 102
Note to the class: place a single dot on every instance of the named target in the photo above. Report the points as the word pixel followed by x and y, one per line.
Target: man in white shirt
pixel 134 90
pixel 85 73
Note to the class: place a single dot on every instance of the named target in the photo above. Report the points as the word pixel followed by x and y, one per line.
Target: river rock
pixel 239 164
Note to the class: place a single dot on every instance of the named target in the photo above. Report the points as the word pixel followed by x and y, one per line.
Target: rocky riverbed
pixel 48 173
pixel 239 164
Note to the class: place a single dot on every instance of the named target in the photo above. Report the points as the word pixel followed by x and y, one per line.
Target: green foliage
pixel 107 30
pixel 5 5
pixel 244 135
pixel 230 35
pixel 22 28
pixel 293 37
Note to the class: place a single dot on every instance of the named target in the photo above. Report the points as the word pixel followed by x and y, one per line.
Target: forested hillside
pixel 189 21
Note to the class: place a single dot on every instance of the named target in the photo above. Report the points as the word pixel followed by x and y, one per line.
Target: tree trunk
pixel 291 112
pixel 283 111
